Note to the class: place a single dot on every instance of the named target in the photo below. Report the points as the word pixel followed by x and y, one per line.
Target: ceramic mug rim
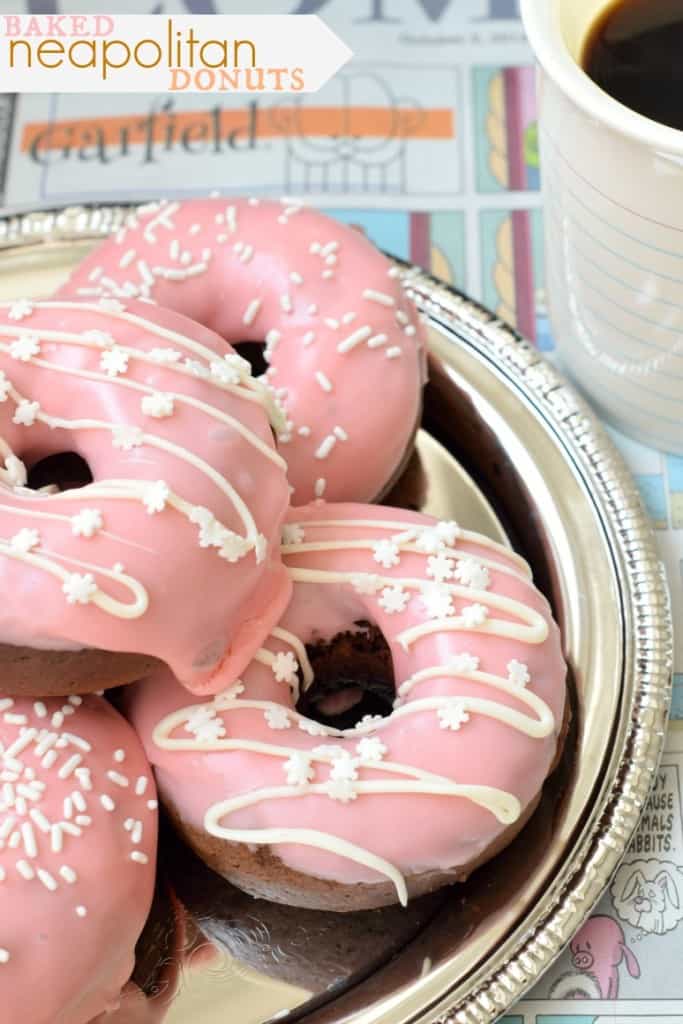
pixel 542 26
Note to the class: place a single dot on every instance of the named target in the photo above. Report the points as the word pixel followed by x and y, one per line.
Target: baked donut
pixel 187 492
pixel 344 344
pixel 297 811
pixel 78 837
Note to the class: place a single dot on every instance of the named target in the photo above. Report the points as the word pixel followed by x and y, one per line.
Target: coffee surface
pixel 634 52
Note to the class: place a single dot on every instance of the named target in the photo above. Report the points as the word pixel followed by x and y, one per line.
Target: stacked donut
pixel 309 672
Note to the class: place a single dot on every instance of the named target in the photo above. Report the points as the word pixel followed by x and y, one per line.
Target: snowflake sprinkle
pixel 114 361
pixel 394 599
pixel 448 532
pixel 464 663
pixel 79 589
pixel 453 716
pixel 20 309
pixel 366 583
pixel 285 667
pixel 87 523
pixel 277 717
pixel 371 748
pixel 204 724
pixel 26 413
pixel 292 533
pixel 344 768
pixel 25 348
pixel 165 355
pixel 126 438
pixel 299 769
pixel 341 789
pixel 518 673
pixel 158 405
pixel 387 553
pixel 474 615
pixel 156 496
pixel 437 601
pixel 440 567
pixel 24 541
pixel 471 573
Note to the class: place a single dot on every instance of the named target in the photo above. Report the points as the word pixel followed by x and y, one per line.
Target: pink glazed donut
pixel 78 837
pixel 172 552
pixel 344 343
pixel 299 812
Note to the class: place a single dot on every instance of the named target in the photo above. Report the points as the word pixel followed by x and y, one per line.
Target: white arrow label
pixel 159 53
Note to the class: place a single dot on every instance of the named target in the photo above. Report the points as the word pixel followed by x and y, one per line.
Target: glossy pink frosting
pixel 77 877
pixel 345 345
pixel 145 397
pixel 375 575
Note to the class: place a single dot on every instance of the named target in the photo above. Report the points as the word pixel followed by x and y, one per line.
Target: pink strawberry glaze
pixel 270 253
pixel 436 832
pixel 160 550
pixel 65 967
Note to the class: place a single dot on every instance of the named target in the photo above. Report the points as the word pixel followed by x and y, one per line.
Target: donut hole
pixel 253 352
pixel 354 677
pixel 64 471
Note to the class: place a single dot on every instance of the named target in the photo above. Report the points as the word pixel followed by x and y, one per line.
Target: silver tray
pixel 509 448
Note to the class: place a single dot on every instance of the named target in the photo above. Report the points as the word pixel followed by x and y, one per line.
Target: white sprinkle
pixel 320 485
pixel 139 857
pixel 127 258
pixel 49 759
pixel 73 830
pixel 195 229
pixel 312 310
pixel 136 834
pixel 69 766
pixel 348 318
pixel 238 246
pixel 20 744
pixel 107 802
pixel 393 353
pixel 67 808
pixel 29 838
pixel 315 248
pixel 357 338
pixel 78 802
pixel 119 756
pixel 252 312
pixel 296 278
pixel 246 254
pixel 206 253
pixel 378 340
pixel 393 272
pixel 76 741
pixel 4 956
pixel 308 338
pixel 14 840
pixel 15 719
pixel 327 274
pixel 20 805
pixel 253 201
pixel 141 785
pixel 219 218
pixel 118 779
pixel 331 260
pixel 174 249
pixel 402 317
pixel 380 297
pixel 333 324
pixel 25 870
pixel 6 703
pixel 323 381
pixel 57 720
pixel 304 431
pixel 341 434
pixel 83 820
pixel 81 911
pixel 47 879
pixel 128 824
pixel 410 330
pixel 43 745
pixel 95 273
pixel 286 303
pixel 328 249
pixel 326 447
pixel 152 805
pixel 40 820
pixel 75 700
pixel 68 874
pixel 231 218
pixel 145 273
pixel 6 827
pixel 83 776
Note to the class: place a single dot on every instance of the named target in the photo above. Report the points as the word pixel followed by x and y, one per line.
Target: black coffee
pixel 635 53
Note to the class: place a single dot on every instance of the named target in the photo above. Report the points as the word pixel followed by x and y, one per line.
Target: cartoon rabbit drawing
pixel 646 895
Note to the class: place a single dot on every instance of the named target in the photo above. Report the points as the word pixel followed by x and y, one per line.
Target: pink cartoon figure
pixel 598 950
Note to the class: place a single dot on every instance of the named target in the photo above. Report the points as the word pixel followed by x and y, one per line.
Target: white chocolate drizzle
pixel 215 725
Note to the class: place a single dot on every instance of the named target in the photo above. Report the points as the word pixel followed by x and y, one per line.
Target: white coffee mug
pixel 613 192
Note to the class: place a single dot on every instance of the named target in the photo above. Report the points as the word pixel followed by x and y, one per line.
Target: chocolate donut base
pixel 28 672
pixel 260 873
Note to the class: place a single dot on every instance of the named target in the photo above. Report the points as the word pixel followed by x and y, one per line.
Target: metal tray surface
pixel 506 447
